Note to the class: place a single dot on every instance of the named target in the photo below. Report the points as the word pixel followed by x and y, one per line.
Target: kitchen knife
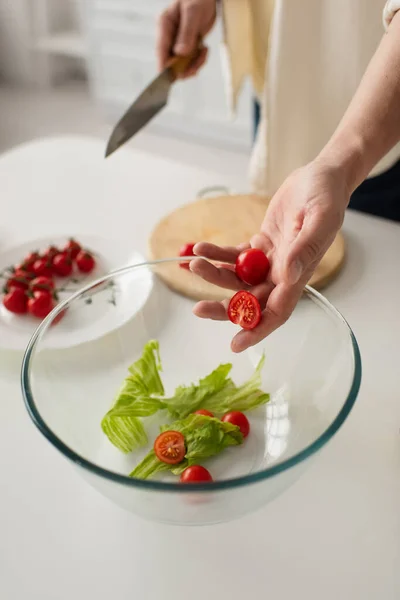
pixel 150 102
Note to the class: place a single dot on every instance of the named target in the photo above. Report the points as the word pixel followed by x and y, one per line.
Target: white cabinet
pixel 121 38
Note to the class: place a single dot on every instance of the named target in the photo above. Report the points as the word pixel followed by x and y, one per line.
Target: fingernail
pixel 295 271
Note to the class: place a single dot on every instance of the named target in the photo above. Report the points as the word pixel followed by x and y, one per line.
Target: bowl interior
pixel 311 370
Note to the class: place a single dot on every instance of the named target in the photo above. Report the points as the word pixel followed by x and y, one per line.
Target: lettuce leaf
pixel 245 397
pixel 188 399
pixel 124 432
pixel 204 437
pixel 135 399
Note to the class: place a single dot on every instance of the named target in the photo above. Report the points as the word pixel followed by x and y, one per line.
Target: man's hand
pixel 181 26
pixel 300 224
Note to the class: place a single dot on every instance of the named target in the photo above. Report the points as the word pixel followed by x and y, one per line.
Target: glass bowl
pixel 312 371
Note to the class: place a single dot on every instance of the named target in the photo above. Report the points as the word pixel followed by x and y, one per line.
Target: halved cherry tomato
pixel 42 266
pixel 238 418
pixel 244 310
pixel 15 301
pixel 62 264
pixel 204 412
pixel 40 304
pixel 85 262
pixel 170 447
pixel 42 283
pixel 72 248
pixel 195 474
pixel 186 250
pixel 252 266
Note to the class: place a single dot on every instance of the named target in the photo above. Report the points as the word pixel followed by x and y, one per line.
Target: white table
pixel 334 535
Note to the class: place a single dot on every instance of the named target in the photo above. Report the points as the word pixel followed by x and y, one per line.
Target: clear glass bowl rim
pixel 160 486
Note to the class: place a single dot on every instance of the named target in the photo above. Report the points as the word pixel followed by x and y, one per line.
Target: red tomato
pixel 170 447
pixel 29 260
pixel 186 250
pixel 40 304
pixel 238 418
pixel 204 412
pixel 15 301
pixel 62 264
pixel 42 283
pixel 244 310
pixel 85 262
pixel 50 253
pixel 252 266
pixel 72 248
pixel 195 474
pixel 59 317
pixel 19 279
pixel 42 266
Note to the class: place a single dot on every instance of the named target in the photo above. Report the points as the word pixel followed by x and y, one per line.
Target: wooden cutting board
pixel 226 221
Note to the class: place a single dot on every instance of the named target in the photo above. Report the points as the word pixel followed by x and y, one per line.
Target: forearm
pixel 371 124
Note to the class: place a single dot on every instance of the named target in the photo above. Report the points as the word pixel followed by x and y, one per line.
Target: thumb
pixel 307 249
pixel 189 30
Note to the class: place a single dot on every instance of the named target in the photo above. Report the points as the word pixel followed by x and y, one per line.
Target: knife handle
pixel 178 64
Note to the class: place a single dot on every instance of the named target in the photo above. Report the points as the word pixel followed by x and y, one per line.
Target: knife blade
pixel 149 103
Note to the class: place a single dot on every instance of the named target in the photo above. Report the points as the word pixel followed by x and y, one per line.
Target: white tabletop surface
pixel 333 535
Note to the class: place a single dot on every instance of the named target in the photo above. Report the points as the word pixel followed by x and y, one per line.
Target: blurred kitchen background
pixel 73 67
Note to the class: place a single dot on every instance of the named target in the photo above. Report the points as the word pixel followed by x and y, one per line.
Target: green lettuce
pixel 245 397
pixel 138 397
pixel 204 437
pixel 142 395
pixel 188 399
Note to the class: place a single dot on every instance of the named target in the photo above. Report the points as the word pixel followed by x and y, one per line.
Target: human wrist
pixel 346 156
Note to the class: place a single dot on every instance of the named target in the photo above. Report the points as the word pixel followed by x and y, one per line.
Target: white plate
pixel 93 320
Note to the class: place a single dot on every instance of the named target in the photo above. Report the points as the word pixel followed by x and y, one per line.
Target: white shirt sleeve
pixel 391 8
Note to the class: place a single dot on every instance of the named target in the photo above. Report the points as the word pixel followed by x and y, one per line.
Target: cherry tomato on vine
pixel 62 264
pixel 72 248
pixel 15 301
pixel 19 279
pixel 85 262
pixel 42 266
pixel 50 253
pixel 42 283
pixel 40 304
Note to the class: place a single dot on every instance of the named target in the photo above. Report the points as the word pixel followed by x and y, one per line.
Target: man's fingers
pixel 217 311
pixel 167 30
pixel 195 65
pixel 227 254
pixel 189 30
pixel 224 278
pixel 280 305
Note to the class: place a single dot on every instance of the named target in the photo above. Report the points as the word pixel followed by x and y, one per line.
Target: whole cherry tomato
pixel 15 301
pixel 72 248
pixel 40 304
pixel 85 262
pixel 42 266
pixel 62 264
pixel 252 266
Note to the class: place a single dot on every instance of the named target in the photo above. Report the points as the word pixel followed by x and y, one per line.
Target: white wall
pixel 15 40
